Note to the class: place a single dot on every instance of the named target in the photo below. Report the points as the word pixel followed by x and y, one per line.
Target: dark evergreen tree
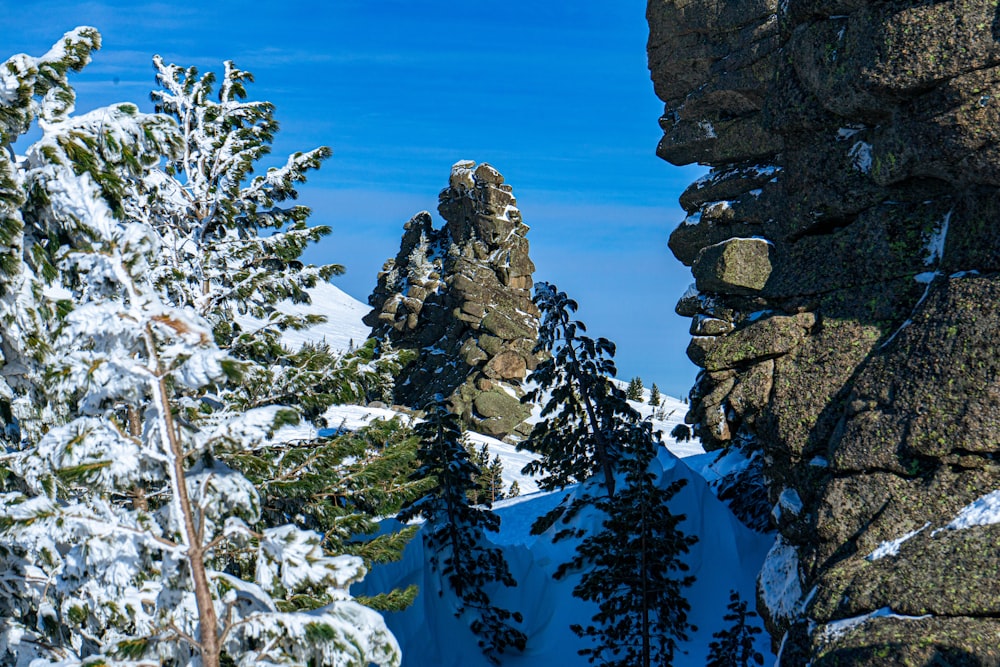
pixel 634 390
pixel 488 487
pixel 631 568
pixel 745 487
pixel 589 430
pixel 681 433
pixel 454 534
pixel 735 645
pixel 580 432
pixel 654 396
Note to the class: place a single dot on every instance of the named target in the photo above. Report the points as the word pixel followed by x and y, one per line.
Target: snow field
pixel 342 329
pixel 727 556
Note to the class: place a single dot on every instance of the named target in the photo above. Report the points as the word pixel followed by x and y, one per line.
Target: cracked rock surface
pixel 846 308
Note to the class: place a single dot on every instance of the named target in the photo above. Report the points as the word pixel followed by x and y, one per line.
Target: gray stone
pixel 467 312
pixel 735 266
pixel 863 140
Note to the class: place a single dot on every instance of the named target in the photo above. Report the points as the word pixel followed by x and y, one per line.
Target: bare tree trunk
pixel 208 637
pixel 138 494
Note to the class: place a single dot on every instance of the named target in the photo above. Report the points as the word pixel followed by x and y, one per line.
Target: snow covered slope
pixel 727 555
pixel 343 312
pixel 353 417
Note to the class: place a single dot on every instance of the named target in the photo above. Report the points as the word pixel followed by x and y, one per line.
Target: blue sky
pixel 554 94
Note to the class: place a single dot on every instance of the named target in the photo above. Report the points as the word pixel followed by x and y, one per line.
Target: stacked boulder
pixel 845 248
pixel 459 298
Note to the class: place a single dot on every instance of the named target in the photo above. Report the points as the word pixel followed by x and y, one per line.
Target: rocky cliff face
pixel 845 249
pixel 459 297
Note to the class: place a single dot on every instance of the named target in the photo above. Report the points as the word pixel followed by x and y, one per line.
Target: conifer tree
pixel 238 246
pixel 587 430
pixel 634 390
pixel 579 434
pixel 654 396
pixel 488 486
pixel 373 467
pixel 232 247
pixel 734 646
pixel 455 533
pixel 631 568
pixel 122 520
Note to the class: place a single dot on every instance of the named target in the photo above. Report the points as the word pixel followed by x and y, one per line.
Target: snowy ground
pixel 727 555
pixel 342 329
pixel 353 417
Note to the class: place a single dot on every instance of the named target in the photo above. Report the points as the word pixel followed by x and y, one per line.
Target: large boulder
pixel 856 347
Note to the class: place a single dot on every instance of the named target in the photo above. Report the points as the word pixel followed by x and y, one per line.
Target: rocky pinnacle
pixel 459 298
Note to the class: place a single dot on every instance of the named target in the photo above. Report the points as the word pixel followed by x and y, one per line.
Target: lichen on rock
pixel 861 141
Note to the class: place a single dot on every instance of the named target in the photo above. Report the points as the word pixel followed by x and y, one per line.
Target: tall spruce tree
pixel 628 565
pixel 634 390
pixel 631 567
pixel 655 398
pixel 579 434
pixel 121 519
pixel 455 533
pixel 734 646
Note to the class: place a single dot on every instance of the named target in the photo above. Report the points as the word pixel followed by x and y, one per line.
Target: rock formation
pixel 845 248
pixel 459 297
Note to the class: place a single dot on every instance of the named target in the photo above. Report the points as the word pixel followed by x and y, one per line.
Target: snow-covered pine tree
pixel 110 381
pixel 634 390
pixel 631 567
pixel 373 478
pixel 455 533
pixel 213 214
pixel 655 398
pixel 217 229
pixel 579 434
pixel 37 89
pixel 735 645
pixel 216 215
